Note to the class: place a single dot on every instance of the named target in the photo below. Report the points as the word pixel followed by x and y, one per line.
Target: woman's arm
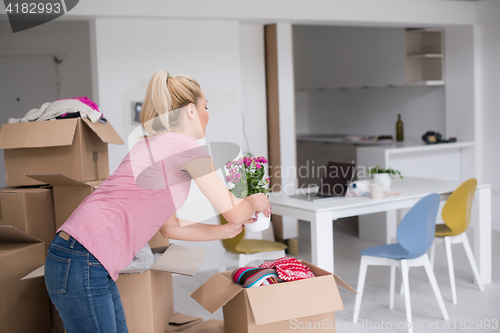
pixel 198 231
pixel 233 209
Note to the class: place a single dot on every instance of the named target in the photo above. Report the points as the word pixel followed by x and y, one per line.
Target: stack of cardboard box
pixel 51 167
pixel 75 149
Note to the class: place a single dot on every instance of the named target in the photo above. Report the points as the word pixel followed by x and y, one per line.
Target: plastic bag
pixel 144 259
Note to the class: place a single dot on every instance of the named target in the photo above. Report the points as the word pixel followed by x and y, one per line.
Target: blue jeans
pixel 82 290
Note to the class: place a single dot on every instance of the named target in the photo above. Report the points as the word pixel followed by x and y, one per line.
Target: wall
pixel 125 62
pixel 226 61
pixel 253 87
pixel 374 111
pixel 329 58
pixel 487 77
pixel 35 82
pixel 68 40
pixel 459 78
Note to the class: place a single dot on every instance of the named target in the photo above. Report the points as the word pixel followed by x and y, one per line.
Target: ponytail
pixel 165 100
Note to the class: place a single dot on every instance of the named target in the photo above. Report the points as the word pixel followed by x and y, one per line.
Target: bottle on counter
pixel 400 136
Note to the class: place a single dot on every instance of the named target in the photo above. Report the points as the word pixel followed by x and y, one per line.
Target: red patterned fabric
pixel 289 269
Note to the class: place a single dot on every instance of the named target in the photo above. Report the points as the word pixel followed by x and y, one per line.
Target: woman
pixel 112 224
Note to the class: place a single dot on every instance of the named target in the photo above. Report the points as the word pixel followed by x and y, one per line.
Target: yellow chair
pixel 247 250
pixel 456 216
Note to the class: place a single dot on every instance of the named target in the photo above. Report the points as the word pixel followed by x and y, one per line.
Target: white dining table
pixel 321 215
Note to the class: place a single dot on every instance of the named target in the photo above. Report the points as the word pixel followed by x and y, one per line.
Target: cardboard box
pixel 69 193
pixel 209 326
pixel 273 308
pixel 147 295
pixel 30 210
pixel 24 305
pixel 147 299
pixel 76 147
pixel 181 322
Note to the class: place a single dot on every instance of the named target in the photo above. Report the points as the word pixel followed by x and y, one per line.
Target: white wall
pixel 253 87
pixel 35 83
pixel 375 111
pixel 126 61
pixel 227 62
pixel 327 58
pixel 459 79
pixel 68 40
pixel 488 35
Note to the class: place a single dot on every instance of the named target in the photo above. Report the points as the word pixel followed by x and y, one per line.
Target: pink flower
pixel 258 166
pixel 267 179
pixel 228 178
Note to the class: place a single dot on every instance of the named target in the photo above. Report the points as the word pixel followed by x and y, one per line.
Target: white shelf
pixel 430 83
pixel 422 56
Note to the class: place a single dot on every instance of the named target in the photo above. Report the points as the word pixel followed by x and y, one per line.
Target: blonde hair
pixel 165 100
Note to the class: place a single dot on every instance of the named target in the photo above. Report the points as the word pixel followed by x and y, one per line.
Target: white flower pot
pixel 384 179
pixel 262 223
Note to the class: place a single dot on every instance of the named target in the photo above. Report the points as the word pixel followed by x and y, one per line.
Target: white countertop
pixel 415 145
pixel 341 139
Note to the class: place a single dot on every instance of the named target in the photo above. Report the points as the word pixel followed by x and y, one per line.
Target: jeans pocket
pixel 56 274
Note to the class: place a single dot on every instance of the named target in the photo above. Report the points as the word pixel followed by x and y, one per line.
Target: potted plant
pixel 384 176
pixel 247 177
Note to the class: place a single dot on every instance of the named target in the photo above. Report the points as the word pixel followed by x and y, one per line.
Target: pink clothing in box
pixel 131 205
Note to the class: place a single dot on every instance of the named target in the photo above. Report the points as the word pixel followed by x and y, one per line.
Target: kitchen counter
pixel 356 140
pixel 413 145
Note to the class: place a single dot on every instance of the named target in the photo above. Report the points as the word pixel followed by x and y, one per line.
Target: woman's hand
pixel 261 204
pixel 234 229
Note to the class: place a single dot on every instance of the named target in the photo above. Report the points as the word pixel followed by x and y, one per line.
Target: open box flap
pixel 180 259
pixel 209 326
pixel 22 190
pixel 36 273
pixel 216 292
pixel 315 269
pixel 10 234
pixel 179 319
pixel 59 179
pixel 342 283
pixel 295 299
pixel 38 134
pixel 105 132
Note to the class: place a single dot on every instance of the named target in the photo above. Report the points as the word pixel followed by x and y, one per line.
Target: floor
pixel 476 310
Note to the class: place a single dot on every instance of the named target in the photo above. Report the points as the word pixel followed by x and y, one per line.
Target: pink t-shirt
pixel 131 205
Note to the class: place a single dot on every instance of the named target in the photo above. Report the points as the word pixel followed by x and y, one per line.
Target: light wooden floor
pixel 474 306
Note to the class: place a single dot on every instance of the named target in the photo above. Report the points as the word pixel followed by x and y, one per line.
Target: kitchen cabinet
pixel 424 56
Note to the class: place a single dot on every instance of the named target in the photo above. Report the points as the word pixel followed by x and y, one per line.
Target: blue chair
pixel 415 236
